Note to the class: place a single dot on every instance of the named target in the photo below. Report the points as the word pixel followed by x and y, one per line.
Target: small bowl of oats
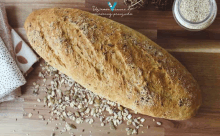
pixel 194 15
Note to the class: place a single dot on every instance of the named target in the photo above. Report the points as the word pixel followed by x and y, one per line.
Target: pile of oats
pixel 63 93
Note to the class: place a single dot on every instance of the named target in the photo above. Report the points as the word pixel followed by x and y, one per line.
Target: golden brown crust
pixel 114 62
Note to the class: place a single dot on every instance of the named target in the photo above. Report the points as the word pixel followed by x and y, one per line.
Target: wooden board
pixel 198 51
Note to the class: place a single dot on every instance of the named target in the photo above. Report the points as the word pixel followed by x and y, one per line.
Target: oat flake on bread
pixel 115 62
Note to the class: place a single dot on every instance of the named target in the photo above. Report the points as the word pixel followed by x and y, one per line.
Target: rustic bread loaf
pixel 115 62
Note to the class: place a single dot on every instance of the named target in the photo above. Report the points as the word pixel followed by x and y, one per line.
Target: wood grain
pixel 199 52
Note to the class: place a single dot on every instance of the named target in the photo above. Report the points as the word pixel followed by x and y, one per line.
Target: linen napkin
pixel 5 30
pixel 6 37
pixel 10 76
pixel 19 51
pixel 25 57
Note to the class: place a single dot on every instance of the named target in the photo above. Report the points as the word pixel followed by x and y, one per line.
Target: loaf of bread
pixel 115 62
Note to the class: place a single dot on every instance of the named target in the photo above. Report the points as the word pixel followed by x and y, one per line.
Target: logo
pixel 112 7
pixel 109 11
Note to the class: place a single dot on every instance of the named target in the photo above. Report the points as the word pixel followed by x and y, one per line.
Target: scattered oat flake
pixel 79 120
pixel 134 124
pixel 112 126
pixel 38 100
pixel 77 114
pixel 91 121
pixel 70 126
pixel 134 131
pixel 129 116
pixel 102 124
pixel 142 120
pixel 36 86
pixel 120 108
pixel 159 123
pixel 30 115
pixel 129 122
pixel 129 132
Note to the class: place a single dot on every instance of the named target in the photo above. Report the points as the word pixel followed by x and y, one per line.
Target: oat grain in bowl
pixel 195 10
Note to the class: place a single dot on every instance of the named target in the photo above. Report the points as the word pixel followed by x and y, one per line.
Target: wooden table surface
pixel 198 51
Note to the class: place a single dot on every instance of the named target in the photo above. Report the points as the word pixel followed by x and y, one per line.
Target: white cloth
pixel 25 57
pixel 6 37
pixel 21 54
pixel 10 75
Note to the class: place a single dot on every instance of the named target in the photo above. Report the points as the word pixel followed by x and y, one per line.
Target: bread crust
pixel 114 61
